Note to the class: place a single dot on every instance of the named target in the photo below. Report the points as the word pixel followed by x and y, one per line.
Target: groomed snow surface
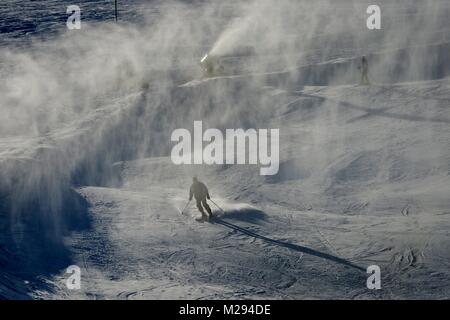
pixel 376 195
pixel 364 180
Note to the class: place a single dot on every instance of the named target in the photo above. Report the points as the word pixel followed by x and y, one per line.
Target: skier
pixel 364 68
pixel 200 192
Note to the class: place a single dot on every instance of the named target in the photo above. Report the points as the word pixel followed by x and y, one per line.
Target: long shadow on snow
pixel 249 215
pixel 381 112
pixel 291 246
pixel 418 96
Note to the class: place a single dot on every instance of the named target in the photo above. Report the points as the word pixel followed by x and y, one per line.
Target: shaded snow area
pixel 86 176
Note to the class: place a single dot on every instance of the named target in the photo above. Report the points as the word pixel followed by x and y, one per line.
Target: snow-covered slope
pixel 85 176
pixel 38 205
pixel 359 184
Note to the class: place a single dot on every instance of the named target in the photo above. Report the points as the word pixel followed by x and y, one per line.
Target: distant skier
pixel 200 192
pixel 364 68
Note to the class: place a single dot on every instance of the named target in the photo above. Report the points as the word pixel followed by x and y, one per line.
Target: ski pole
pixel 182 211
pixel 217 205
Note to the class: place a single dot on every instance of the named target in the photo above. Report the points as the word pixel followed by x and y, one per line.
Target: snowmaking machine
pixel 211 66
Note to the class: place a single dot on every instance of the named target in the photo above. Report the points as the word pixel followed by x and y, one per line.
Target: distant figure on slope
pixel 200 192
pixel 364 68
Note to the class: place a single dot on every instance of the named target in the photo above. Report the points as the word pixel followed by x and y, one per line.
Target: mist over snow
pixel 86 177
